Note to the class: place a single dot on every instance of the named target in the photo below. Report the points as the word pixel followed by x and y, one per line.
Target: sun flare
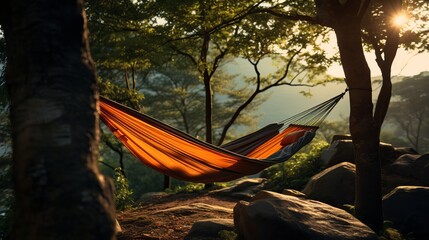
pixel 400 20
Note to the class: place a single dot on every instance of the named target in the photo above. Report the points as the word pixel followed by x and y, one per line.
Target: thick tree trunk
pixel 60 193
pixel 362 126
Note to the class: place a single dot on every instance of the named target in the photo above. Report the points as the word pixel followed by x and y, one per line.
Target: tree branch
pixel 287 16
pixel 189 56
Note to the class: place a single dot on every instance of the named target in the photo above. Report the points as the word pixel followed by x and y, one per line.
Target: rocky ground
pixel 171 217
pixel 405 178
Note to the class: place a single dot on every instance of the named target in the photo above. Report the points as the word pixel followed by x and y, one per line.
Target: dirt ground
pixel 147 221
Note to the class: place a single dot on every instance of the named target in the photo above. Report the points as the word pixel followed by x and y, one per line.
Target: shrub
pixel 123 194
pixel 296 172
pixel 184 187
pixel 188 188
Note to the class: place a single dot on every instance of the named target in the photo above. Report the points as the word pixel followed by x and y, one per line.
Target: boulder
pixel 392 180
pixel 403 165
pixel 334 185
pixel 407 207
pixel 399 151
pixel 209 228
pixel 421 168
pixel 412 165
pixel 388 153
pixel 341 150
pixel 243 189
pixel 271 215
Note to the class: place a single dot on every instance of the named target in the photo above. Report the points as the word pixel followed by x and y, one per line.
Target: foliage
pixel 141 179
pixel 149 36
pixel 188 188
pixel 380 18
pixel 120 37
pixel 123 193
pixel 175 95
pixel 227 235
pixel 296 172
pixel 409 110
pixel 129 97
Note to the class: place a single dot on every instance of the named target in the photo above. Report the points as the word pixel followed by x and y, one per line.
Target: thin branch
pixel 189 56
pixel 298 74
pixel 258 73
pixel 287 16
pixel 288 66
pixel 107 165
pixel 216 62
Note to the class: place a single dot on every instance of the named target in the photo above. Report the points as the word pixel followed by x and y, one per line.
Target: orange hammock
pixel 179 155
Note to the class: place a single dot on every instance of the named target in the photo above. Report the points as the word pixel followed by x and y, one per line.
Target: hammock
pixel 179 155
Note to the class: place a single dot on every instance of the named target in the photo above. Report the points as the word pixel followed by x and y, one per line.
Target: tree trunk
pixel 390 7
pixel 51 81
pixel 384 96
pixel 167 182
pixel 362 126
pixel 203 68
pixel 207 89
pixel 208 94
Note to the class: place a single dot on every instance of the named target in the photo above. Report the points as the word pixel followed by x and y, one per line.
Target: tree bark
pixel 345 18
pixel 362 126
pixel 51 81
pixel 207 89
pixel 390 7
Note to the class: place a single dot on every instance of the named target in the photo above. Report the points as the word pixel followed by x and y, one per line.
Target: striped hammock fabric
pixel 181 156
